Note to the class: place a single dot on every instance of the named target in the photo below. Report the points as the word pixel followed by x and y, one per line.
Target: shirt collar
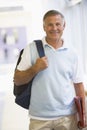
pixel 65 46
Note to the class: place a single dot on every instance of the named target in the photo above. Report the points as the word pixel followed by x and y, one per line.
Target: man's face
pixel 54 26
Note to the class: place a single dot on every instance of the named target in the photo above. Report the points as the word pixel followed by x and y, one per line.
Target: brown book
pixel 78 102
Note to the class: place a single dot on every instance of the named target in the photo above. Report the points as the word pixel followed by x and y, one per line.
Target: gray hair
pixel 53 13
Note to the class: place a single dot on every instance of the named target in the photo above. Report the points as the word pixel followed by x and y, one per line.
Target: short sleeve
pixel 25 62
pixel 78 70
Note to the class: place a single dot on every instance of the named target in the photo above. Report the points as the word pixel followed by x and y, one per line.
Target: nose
pixel 54 27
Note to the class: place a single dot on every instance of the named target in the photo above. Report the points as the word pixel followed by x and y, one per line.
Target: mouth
pixel 55 33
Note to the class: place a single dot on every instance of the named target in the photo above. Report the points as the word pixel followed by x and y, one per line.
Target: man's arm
pixel 23 77
pixel 79 89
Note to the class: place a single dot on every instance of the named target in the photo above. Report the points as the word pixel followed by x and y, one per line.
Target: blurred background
pixel 20 24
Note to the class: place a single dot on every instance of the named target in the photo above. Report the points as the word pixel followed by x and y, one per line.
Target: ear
pixel 64 25
pixel 43 27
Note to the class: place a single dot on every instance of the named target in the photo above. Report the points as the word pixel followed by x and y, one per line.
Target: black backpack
pixel 23 92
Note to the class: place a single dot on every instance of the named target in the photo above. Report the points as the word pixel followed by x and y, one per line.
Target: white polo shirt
pixel 53 93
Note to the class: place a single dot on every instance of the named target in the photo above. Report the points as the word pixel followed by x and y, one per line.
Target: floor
pixel 12 117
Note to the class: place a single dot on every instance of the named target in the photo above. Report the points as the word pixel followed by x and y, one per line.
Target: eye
pixel 58 25
pixel 50 25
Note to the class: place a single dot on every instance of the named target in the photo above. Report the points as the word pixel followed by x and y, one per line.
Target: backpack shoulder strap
pixel 19 58
pixel 40 48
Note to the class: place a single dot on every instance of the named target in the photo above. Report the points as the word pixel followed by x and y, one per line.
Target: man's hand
pixel 41 63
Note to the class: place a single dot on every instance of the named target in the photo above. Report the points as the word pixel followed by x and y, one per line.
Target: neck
pixel 55 43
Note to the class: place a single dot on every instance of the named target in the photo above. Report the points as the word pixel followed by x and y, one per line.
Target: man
pixel 52 97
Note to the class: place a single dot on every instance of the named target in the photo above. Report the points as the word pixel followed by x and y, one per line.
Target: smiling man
pixel 52 103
